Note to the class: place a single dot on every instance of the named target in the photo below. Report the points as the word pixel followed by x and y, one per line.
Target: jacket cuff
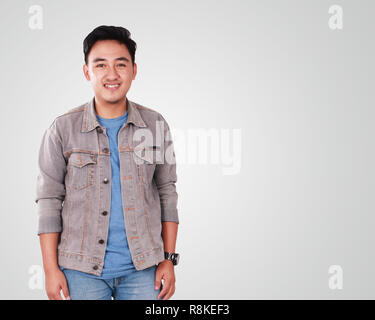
pixel 169 215
pixel 50 223
pixel 49 215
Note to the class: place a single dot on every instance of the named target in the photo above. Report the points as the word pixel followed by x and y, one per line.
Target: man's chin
pixel 113 99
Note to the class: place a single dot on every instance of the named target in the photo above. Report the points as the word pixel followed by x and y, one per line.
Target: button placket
pixel 103 143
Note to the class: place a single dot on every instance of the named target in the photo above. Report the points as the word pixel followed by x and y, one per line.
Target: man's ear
pixel 86 72
pixel 134 70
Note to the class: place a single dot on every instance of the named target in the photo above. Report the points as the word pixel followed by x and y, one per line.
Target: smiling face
pixel 110 70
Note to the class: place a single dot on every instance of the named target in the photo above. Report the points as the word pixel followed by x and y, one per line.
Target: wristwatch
pixel 174 257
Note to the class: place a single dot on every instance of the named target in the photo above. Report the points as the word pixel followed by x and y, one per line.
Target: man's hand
pixel 55 278
pixel 55 282
pixel 165 270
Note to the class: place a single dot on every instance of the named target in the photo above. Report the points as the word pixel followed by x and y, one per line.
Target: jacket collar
pixel 90 122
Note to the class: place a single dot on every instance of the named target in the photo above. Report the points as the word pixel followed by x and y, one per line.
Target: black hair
pixel 120 34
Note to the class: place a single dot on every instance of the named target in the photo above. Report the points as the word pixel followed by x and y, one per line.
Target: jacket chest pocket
pixel 147 154
pixel 82 170
pixel 146 158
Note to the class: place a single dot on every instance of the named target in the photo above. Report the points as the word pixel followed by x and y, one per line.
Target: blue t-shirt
pixel 117 258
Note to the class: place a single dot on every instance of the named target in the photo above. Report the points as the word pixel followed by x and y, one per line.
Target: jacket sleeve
pixel 50 187
pixel 165 178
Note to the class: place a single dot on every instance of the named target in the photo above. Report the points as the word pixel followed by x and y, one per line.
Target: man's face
pixel 110 70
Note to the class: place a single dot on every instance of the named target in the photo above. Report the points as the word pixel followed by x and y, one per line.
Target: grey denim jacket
pixel 73 193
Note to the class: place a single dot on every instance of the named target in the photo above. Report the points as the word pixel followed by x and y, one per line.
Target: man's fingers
pixel 65 291
pixel 166 287
pixel 57 296
pixel 54 295
pixel 170 293
pixel 157 280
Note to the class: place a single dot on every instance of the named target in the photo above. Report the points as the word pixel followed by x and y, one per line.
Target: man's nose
pixel 112 73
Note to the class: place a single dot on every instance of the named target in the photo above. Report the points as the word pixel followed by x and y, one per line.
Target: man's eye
pixel 100 65
pixel 121 65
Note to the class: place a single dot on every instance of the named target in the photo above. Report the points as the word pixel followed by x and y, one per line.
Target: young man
pixel 106 194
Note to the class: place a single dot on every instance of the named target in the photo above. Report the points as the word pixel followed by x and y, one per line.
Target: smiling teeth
pixel 111 85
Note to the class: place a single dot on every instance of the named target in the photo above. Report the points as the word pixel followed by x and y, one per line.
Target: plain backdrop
pixel 300 94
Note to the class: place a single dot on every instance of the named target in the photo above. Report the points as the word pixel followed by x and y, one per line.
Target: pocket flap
pixel 79 159
pixel 149 154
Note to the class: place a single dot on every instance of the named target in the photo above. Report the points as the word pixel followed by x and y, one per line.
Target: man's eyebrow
pixel 118 59
pixel 123 59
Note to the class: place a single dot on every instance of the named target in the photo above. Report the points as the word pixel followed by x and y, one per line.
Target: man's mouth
pixel 112 86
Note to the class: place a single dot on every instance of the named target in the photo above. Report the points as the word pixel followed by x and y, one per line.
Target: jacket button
pixel 101 241
pixel 104 213
pixel 100 130
pixel 105 150
pixel 105 180
pixel 95 267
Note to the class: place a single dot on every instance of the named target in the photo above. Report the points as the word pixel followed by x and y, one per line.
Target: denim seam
pixel 144 207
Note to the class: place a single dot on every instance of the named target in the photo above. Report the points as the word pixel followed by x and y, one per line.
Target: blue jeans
pixel 136 285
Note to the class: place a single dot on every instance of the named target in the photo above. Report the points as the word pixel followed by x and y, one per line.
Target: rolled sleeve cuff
pixel 49 222
pixel 49 215
pixel 169 215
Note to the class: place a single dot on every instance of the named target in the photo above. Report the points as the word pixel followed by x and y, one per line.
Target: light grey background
pixel 301 93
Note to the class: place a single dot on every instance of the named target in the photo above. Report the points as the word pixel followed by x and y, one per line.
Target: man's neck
pixel 110 110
